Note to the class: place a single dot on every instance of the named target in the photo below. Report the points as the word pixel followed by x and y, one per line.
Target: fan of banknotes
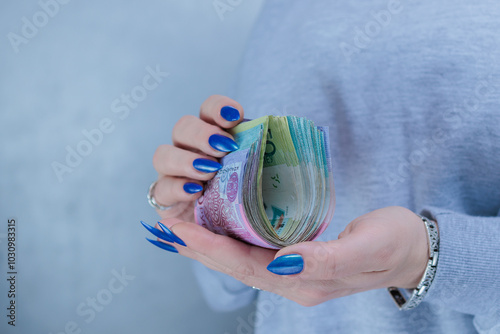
pixel 276 189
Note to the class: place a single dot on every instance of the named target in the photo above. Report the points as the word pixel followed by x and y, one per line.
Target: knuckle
pixel 209 129
pixel 220 100
pixel 159 154
pixel 162 194
pixel 210 100
pixel 186 120
pixel 181 125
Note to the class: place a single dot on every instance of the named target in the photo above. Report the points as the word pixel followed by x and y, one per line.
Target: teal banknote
pixel 276 189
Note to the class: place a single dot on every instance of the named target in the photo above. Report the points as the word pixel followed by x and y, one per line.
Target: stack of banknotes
pixel 276 189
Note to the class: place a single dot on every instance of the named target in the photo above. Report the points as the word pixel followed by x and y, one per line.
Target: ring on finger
pixel 152 200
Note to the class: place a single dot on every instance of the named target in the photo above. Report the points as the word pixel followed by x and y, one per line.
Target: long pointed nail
pixel 290 264
pixel 163 245
pixel 206 165
pixel 156 232
pixel 192 188
pixel 172 235
pixel 230 114
pixel 222 143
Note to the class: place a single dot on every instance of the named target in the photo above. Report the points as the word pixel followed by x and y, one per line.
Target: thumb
pixel 328 260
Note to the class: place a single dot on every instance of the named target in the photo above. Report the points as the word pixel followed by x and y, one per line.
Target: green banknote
pixel 276 189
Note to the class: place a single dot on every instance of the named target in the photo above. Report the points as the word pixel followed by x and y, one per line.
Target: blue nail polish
pixel 163 245
pixel 192 188
pixel 290 264
pixel 222 143
pixel 206 166
pixel 156 232
pixel 230 114
pixel 171 234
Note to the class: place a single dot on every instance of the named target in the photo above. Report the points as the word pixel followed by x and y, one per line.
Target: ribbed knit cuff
pixel 468 273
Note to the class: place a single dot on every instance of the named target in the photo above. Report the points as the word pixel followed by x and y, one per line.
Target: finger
pixel 241 261
pixel 192 133
pixel 244 262
pixel 170 190
pixel 222 111
pixel 179 209
pixel 348 256
pixel 173 161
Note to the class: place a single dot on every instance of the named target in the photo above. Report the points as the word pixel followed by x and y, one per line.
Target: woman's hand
pixel 192 159
pixel 386 247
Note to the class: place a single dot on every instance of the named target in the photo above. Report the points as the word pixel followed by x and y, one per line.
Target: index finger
pixel 221 111
pixel 244 262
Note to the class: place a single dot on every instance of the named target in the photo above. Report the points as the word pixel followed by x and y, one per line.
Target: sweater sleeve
pixel 468 273
pixel 222 292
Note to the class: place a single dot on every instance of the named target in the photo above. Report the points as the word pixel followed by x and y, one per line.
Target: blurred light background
pixel 62 67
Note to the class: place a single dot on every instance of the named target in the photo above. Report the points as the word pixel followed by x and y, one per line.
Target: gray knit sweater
pixel 411 93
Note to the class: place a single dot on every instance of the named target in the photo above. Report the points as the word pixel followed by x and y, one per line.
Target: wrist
pixel 422 252
pixel 413 251
pixel 417 294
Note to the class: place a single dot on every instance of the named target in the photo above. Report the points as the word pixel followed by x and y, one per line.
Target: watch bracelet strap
pixel 418 294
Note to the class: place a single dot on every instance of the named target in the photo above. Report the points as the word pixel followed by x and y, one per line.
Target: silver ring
pixel 256 288
pixel 152 201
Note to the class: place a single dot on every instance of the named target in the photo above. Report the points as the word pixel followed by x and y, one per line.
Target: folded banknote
pixel 276 189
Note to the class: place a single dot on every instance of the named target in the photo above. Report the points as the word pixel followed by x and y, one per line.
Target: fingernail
pixel 230 114
pixel 156 232
pixel 287 265
pixel 206 166
pixel 171 234
pixel 192 188
pixel 222 143
pixel 163 245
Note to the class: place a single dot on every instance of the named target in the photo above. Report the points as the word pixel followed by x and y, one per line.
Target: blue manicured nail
pixel 287 265
pixel 163 245
pixel 230 114
pixel 171 234
pixel 206 166
pixel 222 143
pixel 192 188
pixel 157 232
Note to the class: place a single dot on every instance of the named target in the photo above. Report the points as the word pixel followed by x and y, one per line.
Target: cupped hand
pixel 198 143
pixel 386 247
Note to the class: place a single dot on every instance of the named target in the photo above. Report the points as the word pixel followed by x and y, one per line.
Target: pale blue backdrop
pixel 62 67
